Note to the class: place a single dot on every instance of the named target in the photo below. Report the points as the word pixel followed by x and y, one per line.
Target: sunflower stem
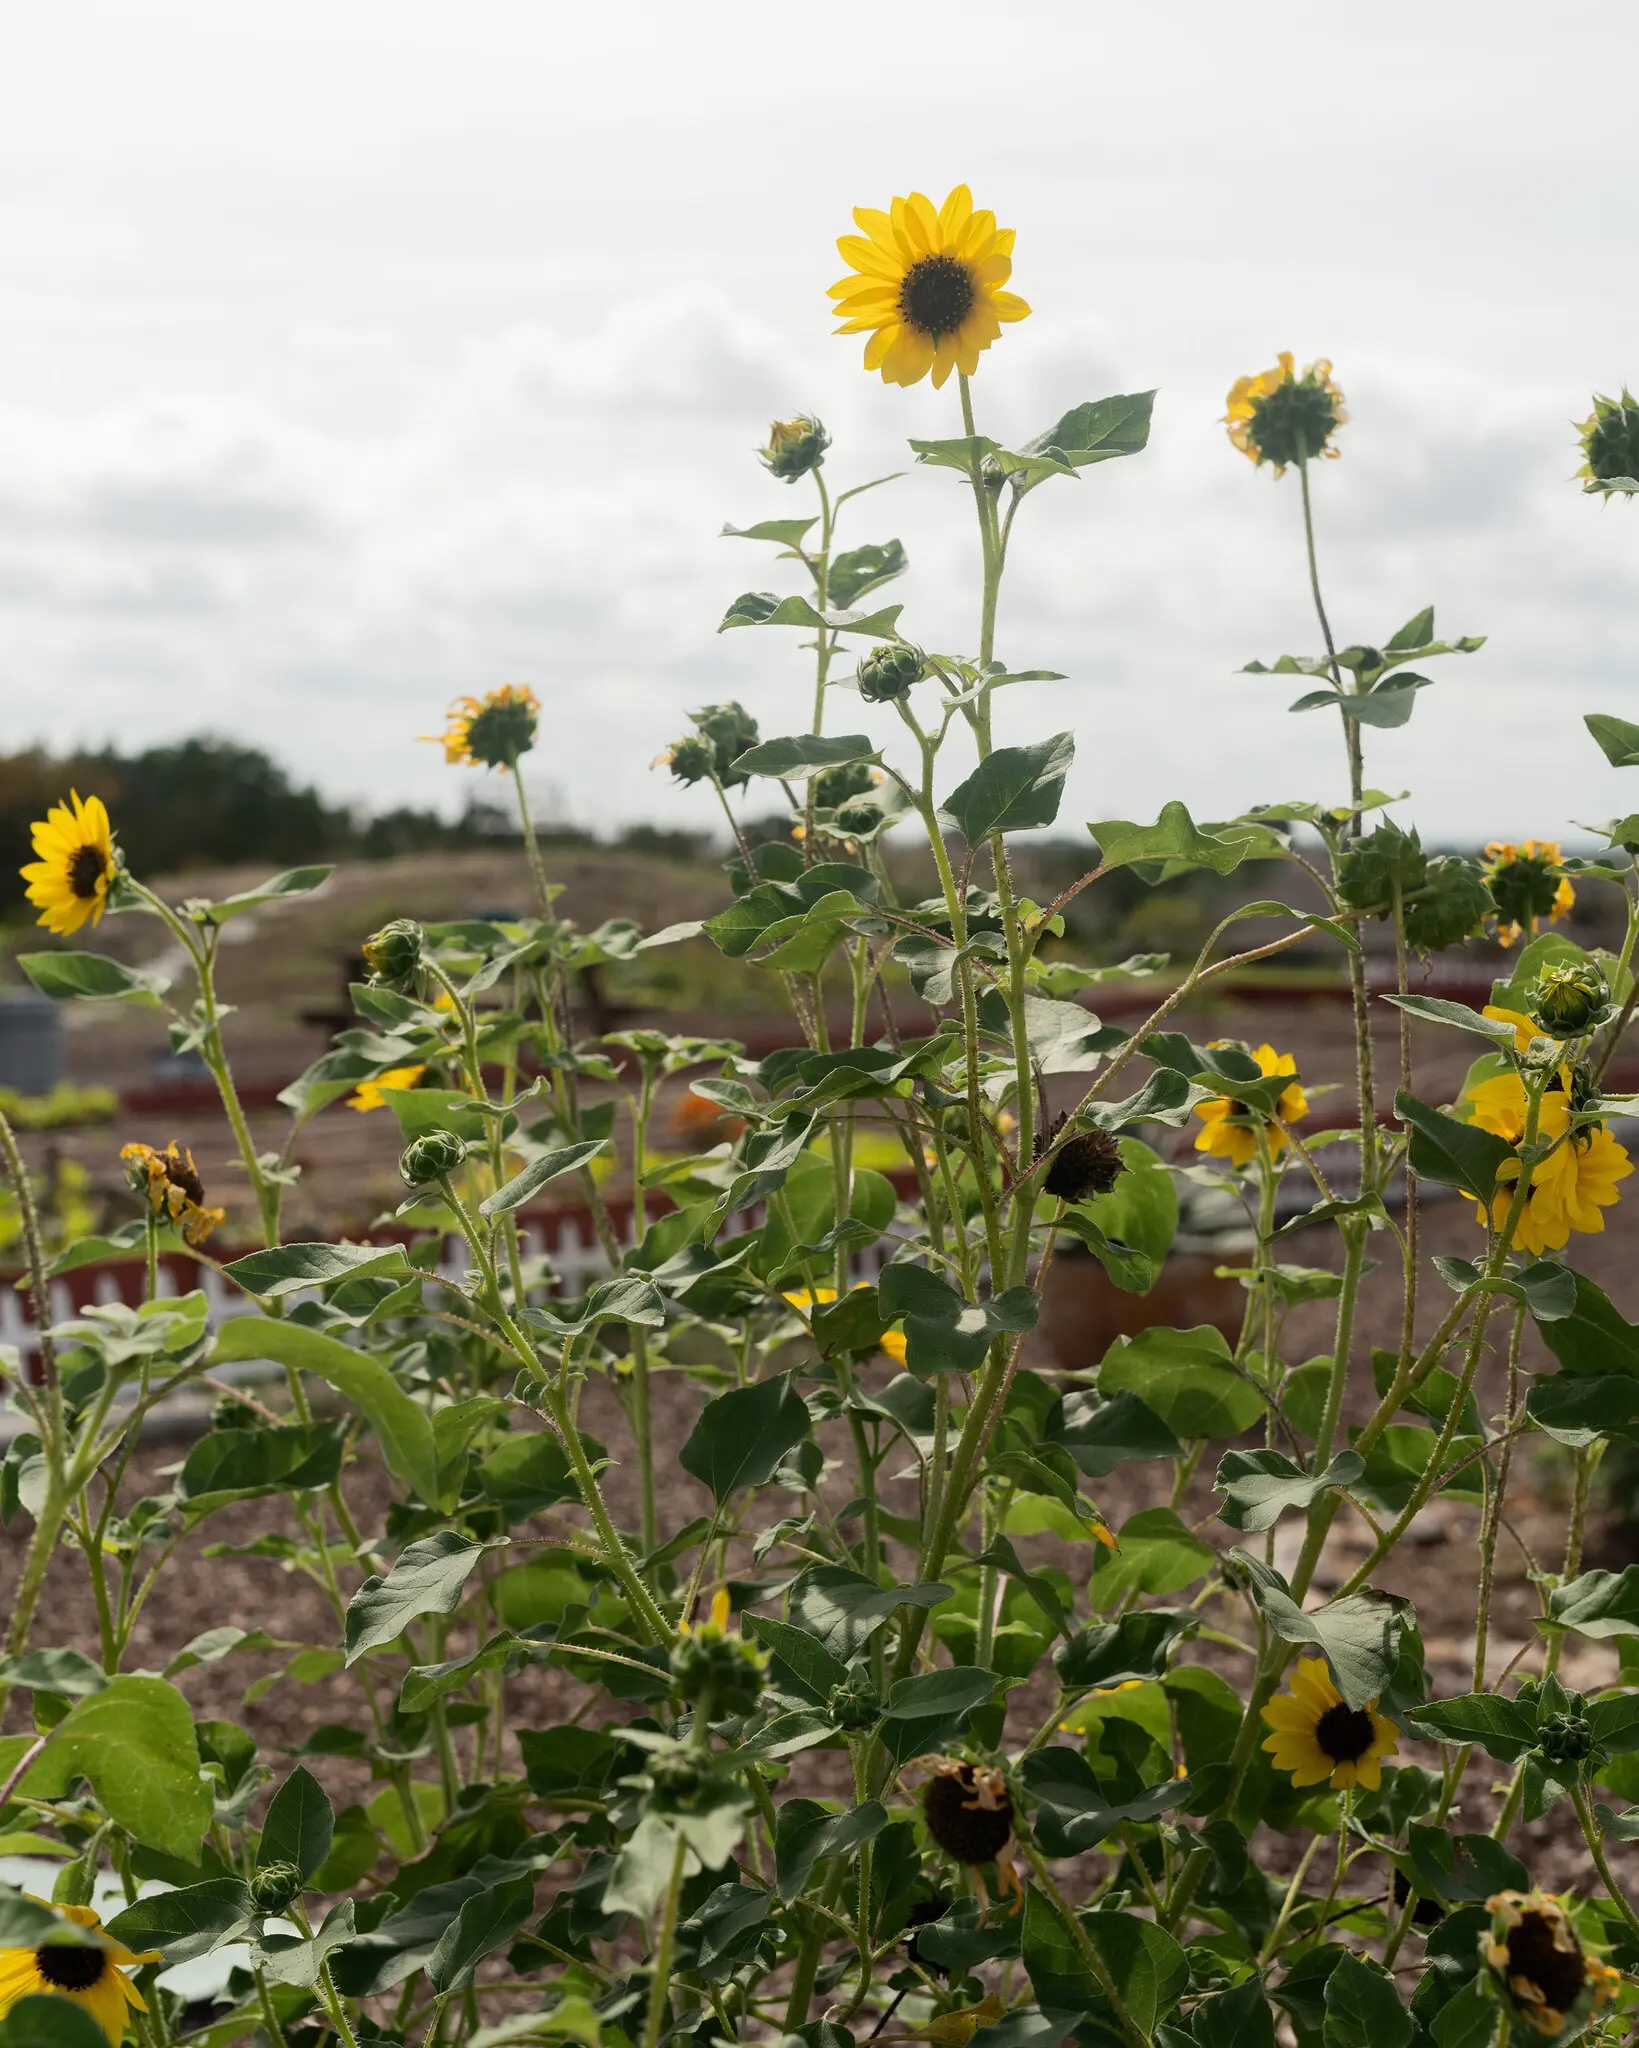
pixel 1593 1835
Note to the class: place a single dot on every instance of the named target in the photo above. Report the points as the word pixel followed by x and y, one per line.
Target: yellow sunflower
pixel 1277 416
pixel 89 1976
pixel 1320 1739
pixel 171 1182
pixel 1570 1187
pixel 69 882
pixel 1526 888
pixel 367 1095
pixel 926 286
pixel 1232 1128
pixel 490 731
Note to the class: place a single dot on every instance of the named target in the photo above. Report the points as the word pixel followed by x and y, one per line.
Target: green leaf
pixel 1059 1973
pixel 530 1470
pixel 807 1832
pixel 293 882
pixel 1598 1604
pixel 857 571
pixel 1455 1154
pixel 1502 1727
pixel 844 1610
pixel 945 1696
pixel 134 1743
pixel 742 1436
pixel 1461 1869
pixel 628 1298
pixel 1232 2019
pixel 801 1663
pixel 1360 1636
pixel 235 1464
pixel 763 608
pixel 300 1825
pixel 93 978
pixel 426 1579
pixel 68 1672
pixel 1617 740
pixel 1176 837
pixel 1262 1485
pixel 1099 430
pixel 187 1922
pixel 1101 1434
pixel 1111 1653
pixel 42 2020
pixel 1468 2019
pixel 1158 1555
pixel 797 757
pixel 1576 1409
pixel 482 1925
pixel 1435 1010
pixel 550 1166
pixel 785 533
pixel 26 1922
pixel 290 1267
pixel 403 1429
pixel 1187 1377
pixel 1015 789
pixel 944 1333
pixel 1388 705
pixel 1363 2009
pixel 1076 1811
pixel 1595 1337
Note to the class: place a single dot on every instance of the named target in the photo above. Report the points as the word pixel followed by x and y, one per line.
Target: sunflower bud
pixel 794 448
pixel 855 1704
pixel 678 1777
pixel 729 730
pixel 714 1667
pixel 1610 440
pixel 889 671
pixel 430 1157
pixel 1373 868
pixel 691 760
pixel 1090 1164
pixel 393 954
pixel 232 1413
pixel 1526 883
pixel 1566 1738
pixel 837 785
pixel 1449 905
pixel 275 1886
pixel 1569 998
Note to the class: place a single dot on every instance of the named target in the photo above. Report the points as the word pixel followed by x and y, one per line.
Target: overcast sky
pixel 353 356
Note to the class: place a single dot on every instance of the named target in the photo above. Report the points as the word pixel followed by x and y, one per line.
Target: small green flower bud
pixel 837 785
pixel 691 760
pixel 1369 871
pixel 232 1413
pixel 678 1776
pixel 431 1156
pixel 1569 998
pixel 855 1704
pixel 1449 905
pixel 394 953
pixel 731 731
pixel 1609 437
pixel 1565 1738
pixel 794 448
pixel 275 1886
pixel 890 671
pixel 716 1668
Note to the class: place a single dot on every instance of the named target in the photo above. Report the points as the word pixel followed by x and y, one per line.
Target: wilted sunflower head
pixel 1609 439
pixel 968 1809
pixel 171 1183
pixel 491 731
pixel 926 286
pixel 89 1974
pixel 1526 886
pixel 1277 416
pixel 77 862
pixel 794 447
pixel 1549 1981
pixel 1089 1164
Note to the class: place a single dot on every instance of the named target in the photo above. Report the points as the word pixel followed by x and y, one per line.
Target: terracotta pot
pixel 1083 1311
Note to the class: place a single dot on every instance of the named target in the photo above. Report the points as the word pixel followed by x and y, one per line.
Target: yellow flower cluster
pixel 1571 1187
pixel 1232 1128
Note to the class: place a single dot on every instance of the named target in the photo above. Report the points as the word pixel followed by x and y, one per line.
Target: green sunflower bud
pixel 1281 417
pixel 837 785
pixel 1609 438
pixel 718 1669
pixel 431 1156
pixel 1524 881
pixel 232 1413
pixel 1370 870
pixel 1449 905
pixel 691 760
pixel 678 1777
pixel 1569 998
pixel 730 731
pixel 890 671
pixel 393 954
pixel 1566 1738
pixel 794 448
pixel 855 1704
pixel 275 1886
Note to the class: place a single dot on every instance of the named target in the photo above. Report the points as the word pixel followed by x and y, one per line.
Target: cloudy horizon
pixel 353 361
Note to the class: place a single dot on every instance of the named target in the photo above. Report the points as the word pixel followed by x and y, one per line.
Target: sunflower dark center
pixel 937 295
pixel 181 1173
pixel 86 870
pixel 71 1969
pixel 1344 1733
pixel 1556 1972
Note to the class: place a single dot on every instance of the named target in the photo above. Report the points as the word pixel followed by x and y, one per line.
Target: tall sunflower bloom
pixel 68 884
pixel 1277 416
pixel 1526 886
pixel 1232 1127
pixel 1320 1739
pixel 89 1976
pixel 171 1183
pixel 490 731
pixel 1570 1188
pixel 926 286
